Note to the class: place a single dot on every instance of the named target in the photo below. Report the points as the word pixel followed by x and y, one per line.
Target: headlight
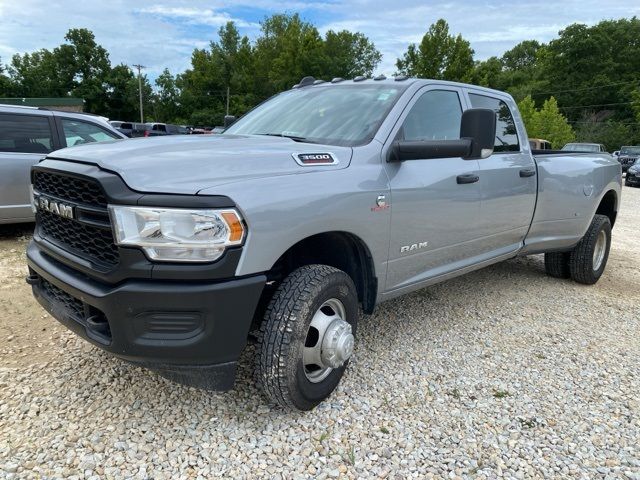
pixel 176 234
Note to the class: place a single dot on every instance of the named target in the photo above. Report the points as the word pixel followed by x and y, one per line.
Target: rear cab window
pixel 506 131
pixel 25 134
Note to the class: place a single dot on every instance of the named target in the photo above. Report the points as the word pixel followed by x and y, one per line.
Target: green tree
pixel 613 134
pixel 349 55
pixel 166 98
pixel 287 50
pixel 85 68
pixel 487 73
pixel 37 74
pixel 439 56
pixel 547 123
pixel 6 83
pixel 122 95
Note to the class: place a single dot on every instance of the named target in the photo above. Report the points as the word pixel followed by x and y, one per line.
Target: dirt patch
pixel 29 335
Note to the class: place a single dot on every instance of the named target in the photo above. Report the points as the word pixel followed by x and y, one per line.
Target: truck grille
pixel 90 240
pixel 73 189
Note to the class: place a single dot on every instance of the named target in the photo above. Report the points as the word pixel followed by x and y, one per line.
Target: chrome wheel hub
pixel 599 250
pixel 329 342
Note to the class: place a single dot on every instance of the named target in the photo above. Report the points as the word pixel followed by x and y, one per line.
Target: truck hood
pixel 189 163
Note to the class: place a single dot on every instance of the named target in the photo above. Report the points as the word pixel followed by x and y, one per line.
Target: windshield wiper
pixel 292 137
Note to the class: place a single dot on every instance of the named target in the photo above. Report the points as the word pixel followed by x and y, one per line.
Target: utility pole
pixel 228 100
pixel 140 67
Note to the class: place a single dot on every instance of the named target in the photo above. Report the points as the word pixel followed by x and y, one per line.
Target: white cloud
pixel 196 16
pixel 164 33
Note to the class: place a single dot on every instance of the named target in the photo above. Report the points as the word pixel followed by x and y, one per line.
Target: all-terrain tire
pixel 556 264
pixel 581 261
pixel 283 331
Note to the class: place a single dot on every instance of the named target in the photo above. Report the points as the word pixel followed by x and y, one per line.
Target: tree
pixel 167 98
pixel 6 84
pixel 439 56
pixel 349 55
pixel 122 94
pixel 287 50
pixel 613 134
pixel 85 67
pixel 487 73
pixel 547 123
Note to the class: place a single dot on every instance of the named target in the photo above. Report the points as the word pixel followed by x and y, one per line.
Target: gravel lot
pixel 502 373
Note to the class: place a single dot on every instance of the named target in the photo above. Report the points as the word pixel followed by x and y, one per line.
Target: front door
pixel 435 203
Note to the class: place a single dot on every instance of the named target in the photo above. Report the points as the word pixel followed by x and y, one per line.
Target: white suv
pixel 27 135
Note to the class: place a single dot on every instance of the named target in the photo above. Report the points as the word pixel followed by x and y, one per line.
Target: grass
pixel 385 430
pixel 500 393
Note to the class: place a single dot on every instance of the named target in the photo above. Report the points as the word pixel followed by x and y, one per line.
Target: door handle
pixel 527 172
pixel 467 178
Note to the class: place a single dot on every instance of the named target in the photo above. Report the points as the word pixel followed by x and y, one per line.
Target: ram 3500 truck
pixel 323 201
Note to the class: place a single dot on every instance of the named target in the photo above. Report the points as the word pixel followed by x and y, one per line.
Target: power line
pixel 596 105
pixel 534 94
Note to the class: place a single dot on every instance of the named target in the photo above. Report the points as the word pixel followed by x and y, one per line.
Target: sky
pixel 162 34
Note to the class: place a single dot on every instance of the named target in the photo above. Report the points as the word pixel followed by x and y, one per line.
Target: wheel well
pixel 338 249
pixel 608 206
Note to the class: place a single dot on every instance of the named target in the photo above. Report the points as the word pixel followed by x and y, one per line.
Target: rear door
pixel 507 180
pixel 25 139
pixel 435 203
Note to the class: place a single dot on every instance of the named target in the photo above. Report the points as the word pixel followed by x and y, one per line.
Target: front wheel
pixel 307 336
pixel 589 257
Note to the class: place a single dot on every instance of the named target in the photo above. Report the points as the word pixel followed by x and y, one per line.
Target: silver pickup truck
pixel 325 200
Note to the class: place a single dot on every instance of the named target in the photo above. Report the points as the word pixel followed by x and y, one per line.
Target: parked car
pixel 131 129
pixel 628 156
pixel 161 129
pixel 632 178
pixel 27 135
pixel 326 199
pixel 585 147
pixel 539 144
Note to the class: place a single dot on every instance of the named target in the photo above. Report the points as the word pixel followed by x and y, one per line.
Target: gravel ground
pixel 501 373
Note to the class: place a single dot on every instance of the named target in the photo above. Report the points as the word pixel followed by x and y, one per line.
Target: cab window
pixel 435 116
pixel 506 132
pixel 79 133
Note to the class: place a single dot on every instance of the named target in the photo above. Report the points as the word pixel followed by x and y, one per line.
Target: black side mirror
pixel 477 138
pixel 229 120
pixel 479 125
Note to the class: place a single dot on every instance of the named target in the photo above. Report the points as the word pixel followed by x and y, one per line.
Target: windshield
pixel 630 151
pixel 346 115
pixel 582 147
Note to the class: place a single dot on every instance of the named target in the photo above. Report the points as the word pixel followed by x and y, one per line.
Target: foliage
pixel 586 77
pixel 439 56
pixel 613 134
pixel 546 123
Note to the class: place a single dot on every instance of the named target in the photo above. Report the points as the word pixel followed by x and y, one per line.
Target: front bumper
pixel 632 179
pixel 189 331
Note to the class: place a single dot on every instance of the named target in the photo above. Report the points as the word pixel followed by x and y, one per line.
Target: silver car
pixel 27 135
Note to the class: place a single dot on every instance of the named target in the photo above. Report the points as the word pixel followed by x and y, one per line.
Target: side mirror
pixel 229 120
pixel 479 125
pixel 477 138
